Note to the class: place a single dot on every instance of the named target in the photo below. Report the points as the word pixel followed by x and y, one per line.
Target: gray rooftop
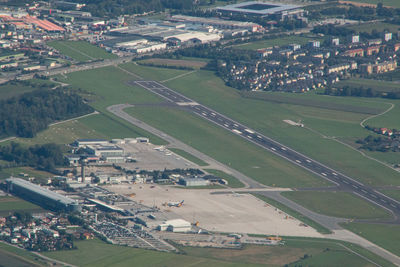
pixel 270 7
pixel 40 190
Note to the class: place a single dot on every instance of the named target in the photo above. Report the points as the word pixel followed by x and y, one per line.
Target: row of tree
pixel 361 92
pixel 29 113
pixel 44 157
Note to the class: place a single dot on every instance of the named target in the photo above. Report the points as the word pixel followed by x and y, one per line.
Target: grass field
pixel 105 82
pixel 232 181
pixel 188 156
pixel 40 175
pixel 10 90
pixel 379 86
pixel 264 116
pixel 392 193
pixel 379 26
pixel 80 50
pixel 8 205
pixel 393 3
pixel 337 204
pixel 384 235
pixel 294 214
pixel 267 117
pixel 176 62
pixel 276 41
pixel 97 253
pixel 11 257
pixel 225 147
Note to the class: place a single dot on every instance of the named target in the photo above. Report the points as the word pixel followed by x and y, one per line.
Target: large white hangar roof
pixel 258 8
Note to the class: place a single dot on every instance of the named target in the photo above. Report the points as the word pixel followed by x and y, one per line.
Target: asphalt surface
pixel 275 147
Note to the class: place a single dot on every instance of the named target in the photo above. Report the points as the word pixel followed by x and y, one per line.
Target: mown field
pixel 393 3
pixel 337 204
pixel 80 50
pixel 376 85
pixel 175 62
pixel 232 181
pixel 8 205
pixel 97 253
pixel 379 26
pixel 12 257
pixel 193 130
pixel 188 156
pixel 384 235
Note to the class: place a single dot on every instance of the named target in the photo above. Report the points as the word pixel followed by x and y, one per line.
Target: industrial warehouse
pixel 41 196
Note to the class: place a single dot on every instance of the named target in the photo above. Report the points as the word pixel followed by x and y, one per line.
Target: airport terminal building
pixel 41 196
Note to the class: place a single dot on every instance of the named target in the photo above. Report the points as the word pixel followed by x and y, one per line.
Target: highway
pixel 275 147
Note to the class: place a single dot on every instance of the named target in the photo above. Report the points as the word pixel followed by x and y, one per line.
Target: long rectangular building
pixel 41 196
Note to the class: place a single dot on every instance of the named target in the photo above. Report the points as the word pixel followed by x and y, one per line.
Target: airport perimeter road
pixel 118 110
pixel 275 147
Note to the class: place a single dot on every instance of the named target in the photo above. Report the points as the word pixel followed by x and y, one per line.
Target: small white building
pixel 176 226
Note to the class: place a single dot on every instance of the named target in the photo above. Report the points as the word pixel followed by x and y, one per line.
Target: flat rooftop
pixel 258 8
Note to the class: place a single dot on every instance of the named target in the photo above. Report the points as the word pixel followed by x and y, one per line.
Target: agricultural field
pixel 337 204
pixel 8 205
pixel 97 253
pixel 80 50
pixel 286 40
pixel 384 235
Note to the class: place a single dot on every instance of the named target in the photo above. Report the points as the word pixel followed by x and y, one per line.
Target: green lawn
pixel 393 3
pixel 369 27
pixel 267 117
pixel 276 41
pixel 9 90
pixel 81 50
pixel 294 214
pixel 97 253
pixel 40 175
pixel 226 147
pixel 232 181
pixel 384 235
pixel 392 193
pixel 337 204
pixel 8 205
pixel 11 256
pixel 376 85
pixel 188 156
pixel 149 73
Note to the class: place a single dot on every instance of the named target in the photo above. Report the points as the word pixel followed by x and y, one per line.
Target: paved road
pixel 275 147
pixel 118 110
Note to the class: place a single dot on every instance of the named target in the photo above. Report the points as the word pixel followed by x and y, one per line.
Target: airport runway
pixel 275 147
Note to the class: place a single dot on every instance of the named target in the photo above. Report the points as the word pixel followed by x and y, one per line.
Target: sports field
pixel 96 253
pixel 80 50
pixel 337 204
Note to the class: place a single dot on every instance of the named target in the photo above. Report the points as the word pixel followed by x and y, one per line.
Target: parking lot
pixel 234 213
